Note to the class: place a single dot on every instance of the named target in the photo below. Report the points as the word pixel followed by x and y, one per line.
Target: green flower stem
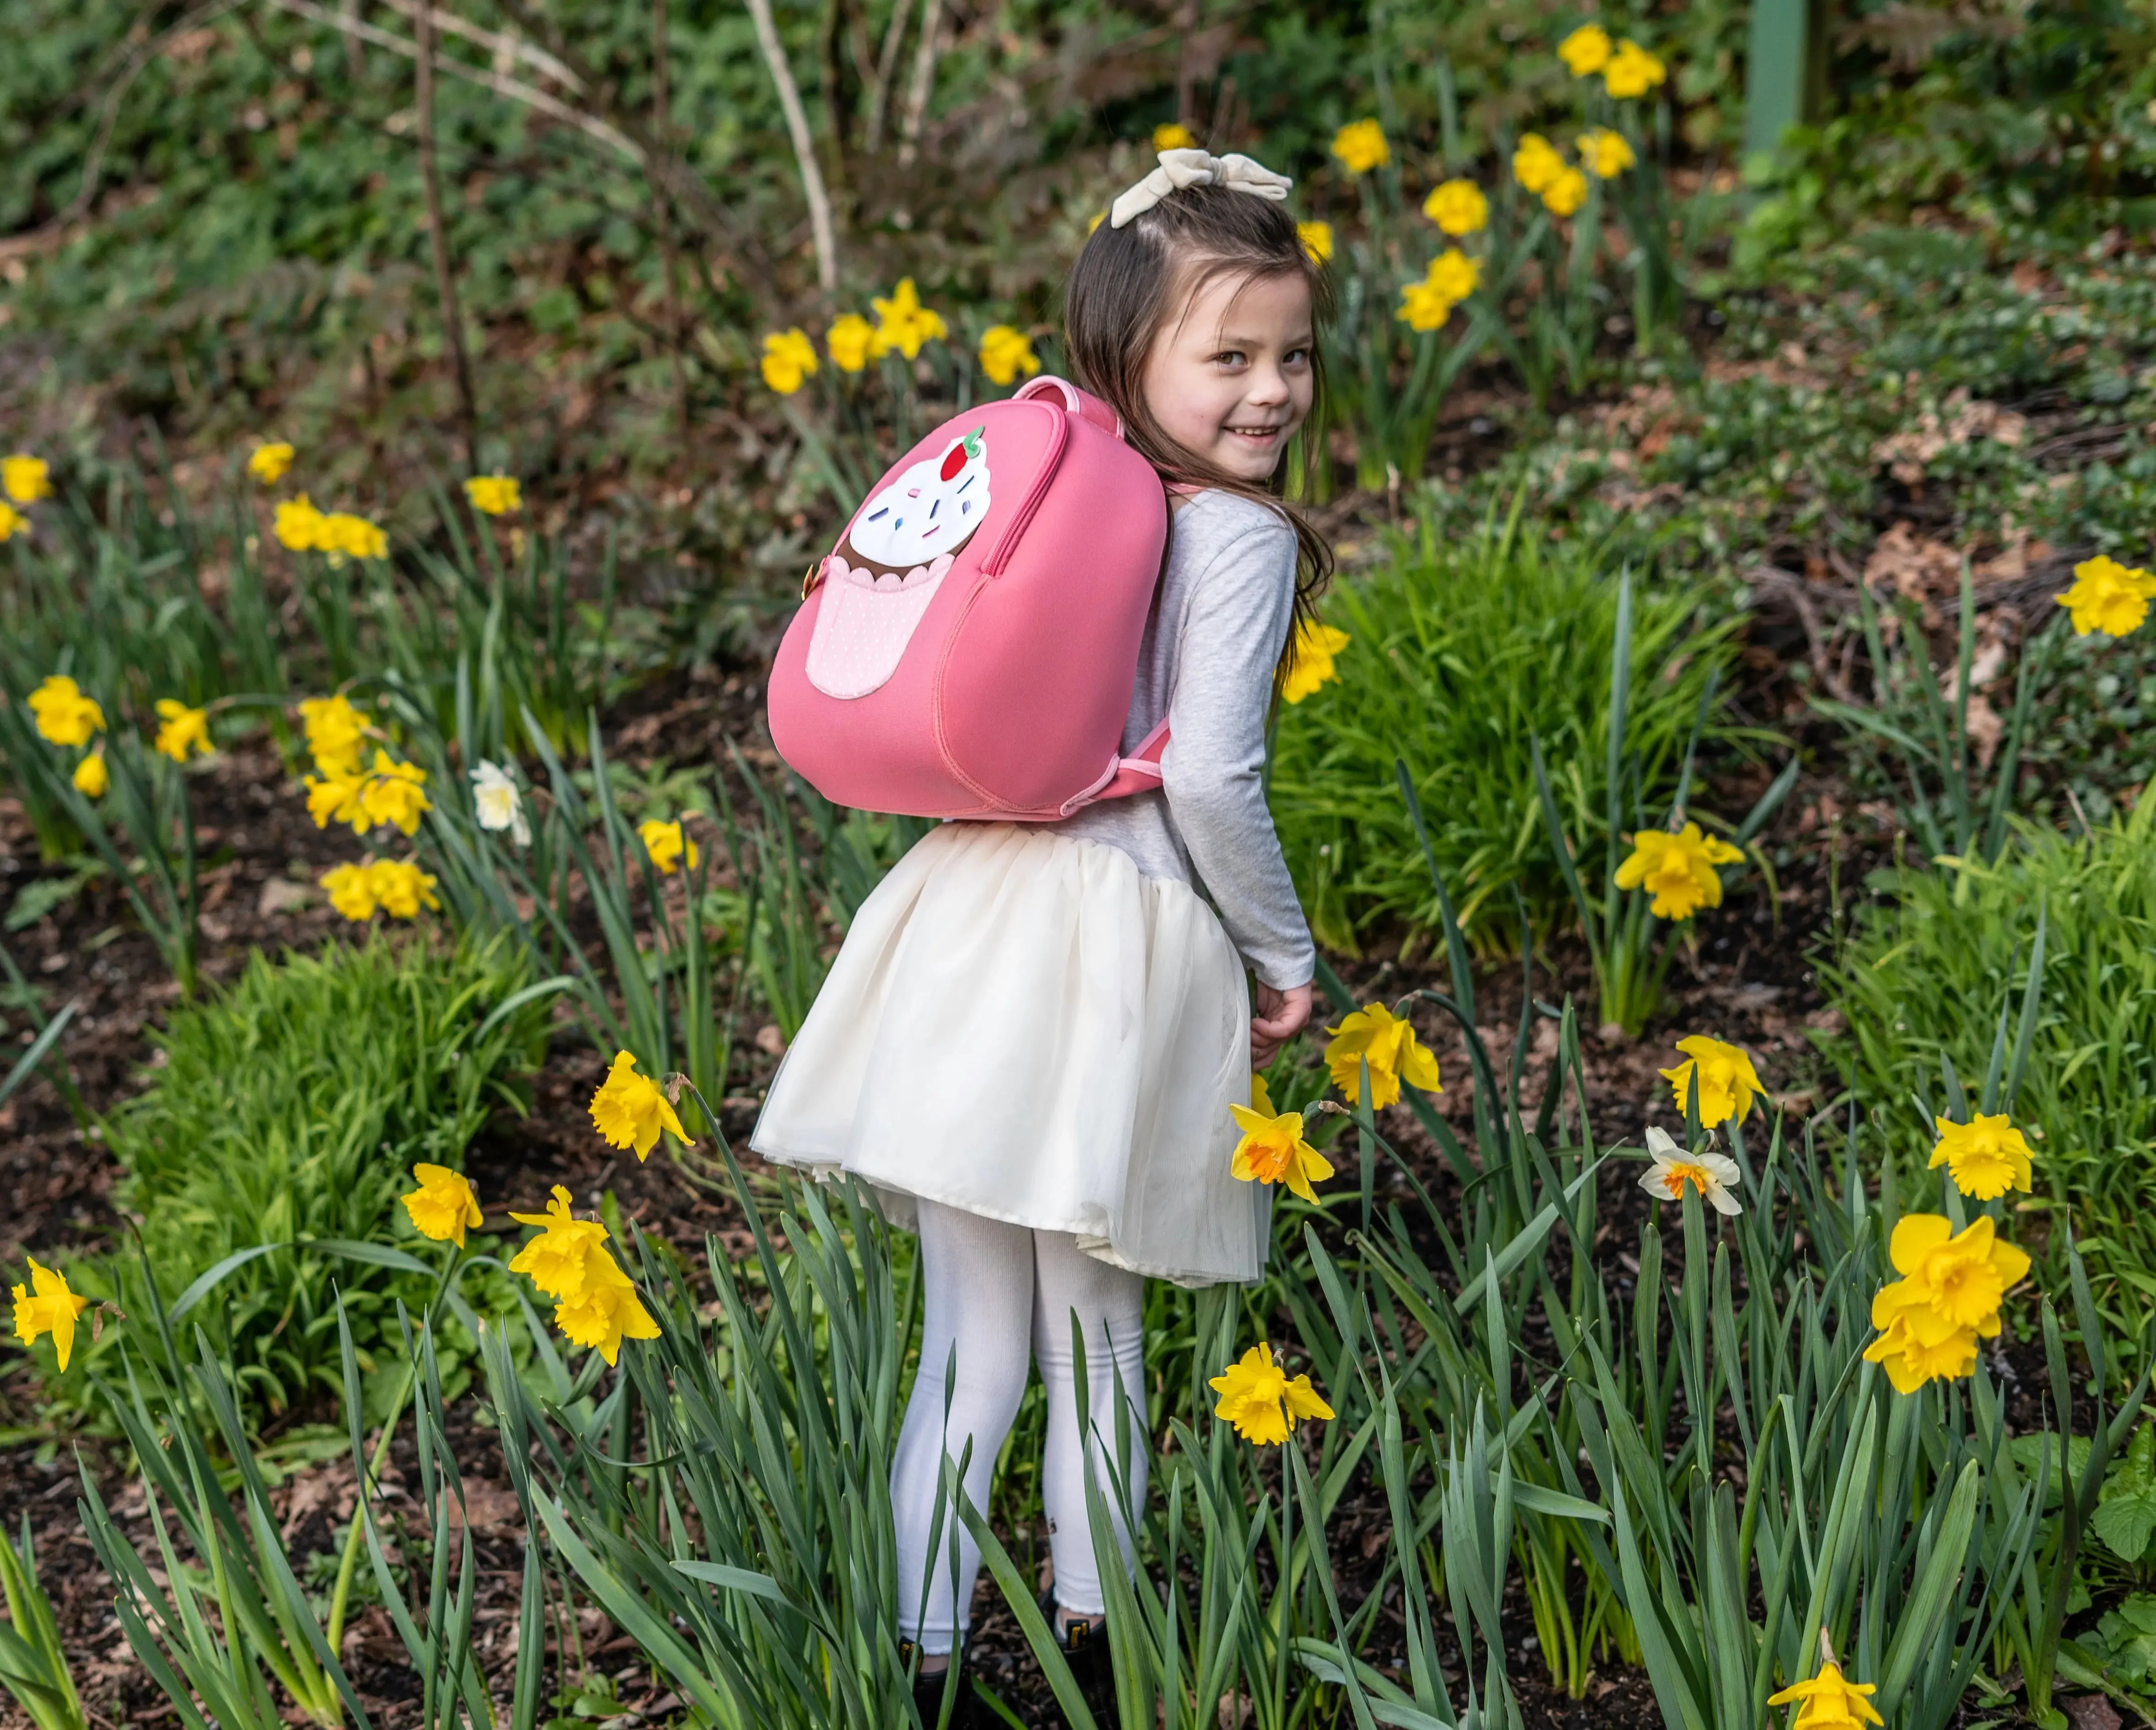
pixel 348 1564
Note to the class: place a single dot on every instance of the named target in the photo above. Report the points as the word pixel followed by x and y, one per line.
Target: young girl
pixel 1030 1041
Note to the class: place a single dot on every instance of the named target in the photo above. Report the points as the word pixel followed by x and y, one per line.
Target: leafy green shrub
pixel 1926 973
pixel 293 1107
pixel 1461 655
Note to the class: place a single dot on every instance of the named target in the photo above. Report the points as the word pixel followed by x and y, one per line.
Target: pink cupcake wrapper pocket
pixel 864 622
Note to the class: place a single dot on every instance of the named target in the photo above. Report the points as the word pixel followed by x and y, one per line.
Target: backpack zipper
pixel 1059 435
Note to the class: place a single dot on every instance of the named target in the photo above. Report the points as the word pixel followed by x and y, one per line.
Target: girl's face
pixel 1230 381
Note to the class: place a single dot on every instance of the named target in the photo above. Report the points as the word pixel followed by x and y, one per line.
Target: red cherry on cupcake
pixel 954 459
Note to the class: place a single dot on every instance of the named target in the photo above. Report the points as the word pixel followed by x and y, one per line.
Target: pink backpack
pixel 968 648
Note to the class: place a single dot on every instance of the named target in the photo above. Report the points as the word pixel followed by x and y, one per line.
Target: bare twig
pixel 446 282
pixel 804 145
pixel 355 56
pixel 924 82
pixel 1818 638
pixel 661 208
pixel 93 167
pixel 499 83
pixel 503 48
pixel 887 69
pixel 696 199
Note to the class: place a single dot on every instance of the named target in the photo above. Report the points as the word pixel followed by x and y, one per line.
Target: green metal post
pixel 1786 75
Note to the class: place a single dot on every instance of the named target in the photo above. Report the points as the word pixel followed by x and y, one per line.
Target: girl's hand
pixel 1281 1015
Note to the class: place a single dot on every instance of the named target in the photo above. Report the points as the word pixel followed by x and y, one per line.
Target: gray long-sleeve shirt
pixel 1220 621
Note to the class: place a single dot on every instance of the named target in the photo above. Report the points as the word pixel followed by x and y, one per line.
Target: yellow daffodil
pixel 903 323
pixel 1360 146
pixel 1911 1361
pixel 851 342
pixel 444 1205
pixel 1537 162
pixel 606 1310
pixel 1457 207
pixel 1272 1149
pixel 1424 307
pixel 1317 239
pixel 1586 51
pixel 2107 597
pixel 1727 1080
pixel 13 523
pixel 351 889
pixel 91 777
pixel 48 1306
pixel 1174 135
pixel 1566 193
pixel 1985 1157
pixel 1678 870
pixel 336 798
pixel 270 462
pixel 1258 1399
pixel 1960 1278
pixel 1829 1702
pixel 25 479
pixel 495 495
pixel 1931 1319
pixel 63 715
pixel 391 794
pixel 668 847
pixel 1452 278
pixel 299 526
pixel 354 537
pixel 1006 352
pixel 181 730
pixel 1632 71
pixel 1311 665
pixel 558 1260
pixel 336 733
pixel 1099 217
pixel 629 1110
pixel 400 887
pixel 1711 1175
pixel 789 358
pixel 1395 1055
pixel 1453 274
pixel 1605 152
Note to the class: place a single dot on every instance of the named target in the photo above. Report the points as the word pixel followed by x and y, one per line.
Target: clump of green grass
pixel 292 1107
pixel 1462 655
pixel 1924 975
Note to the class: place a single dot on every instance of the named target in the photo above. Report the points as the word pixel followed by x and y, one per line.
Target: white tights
pixel 1001 1293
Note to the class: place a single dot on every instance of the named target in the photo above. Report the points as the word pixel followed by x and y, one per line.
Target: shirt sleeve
pixel 1236 625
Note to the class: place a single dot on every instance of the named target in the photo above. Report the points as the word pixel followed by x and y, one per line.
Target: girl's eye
pixel 1297 357
pixel 1229 357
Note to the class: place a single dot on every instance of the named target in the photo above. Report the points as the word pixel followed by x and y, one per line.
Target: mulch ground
pixel 1750 982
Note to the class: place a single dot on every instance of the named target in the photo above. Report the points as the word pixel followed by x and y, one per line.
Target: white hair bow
pixel 1181 169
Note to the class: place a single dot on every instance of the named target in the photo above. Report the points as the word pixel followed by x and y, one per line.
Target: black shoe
pixel 1085 1648
pixel 928 1691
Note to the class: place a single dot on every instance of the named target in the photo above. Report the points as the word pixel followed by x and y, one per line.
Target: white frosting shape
pixel 921 515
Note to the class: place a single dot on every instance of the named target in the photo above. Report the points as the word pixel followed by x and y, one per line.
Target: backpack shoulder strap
pixel 1138 773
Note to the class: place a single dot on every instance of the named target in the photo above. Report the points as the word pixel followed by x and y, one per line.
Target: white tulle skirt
pixel 1021 1025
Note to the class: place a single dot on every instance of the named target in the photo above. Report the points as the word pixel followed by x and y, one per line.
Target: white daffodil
pixel 1712 1174
pixel 499 805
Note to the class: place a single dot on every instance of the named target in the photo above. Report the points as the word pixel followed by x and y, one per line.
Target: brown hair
pixel 1125 289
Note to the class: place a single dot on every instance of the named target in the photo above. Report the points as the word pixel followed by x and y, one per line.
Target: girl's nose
pixel 1268 385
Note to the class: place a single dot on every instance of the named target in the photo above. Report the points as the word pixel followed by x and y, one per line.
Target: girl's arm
pixel 1241 605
